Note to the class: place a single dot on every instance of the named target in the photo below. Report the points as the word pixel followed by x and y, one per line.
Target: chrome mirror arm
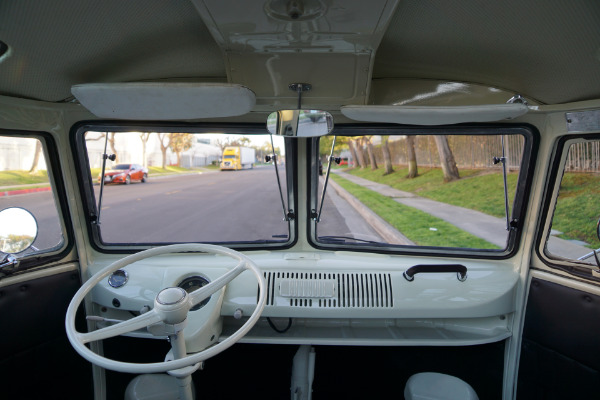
pixel 8 263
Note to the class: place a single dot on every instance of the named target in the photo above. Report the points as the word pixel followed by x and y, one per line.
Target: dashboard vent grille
pixel 329 290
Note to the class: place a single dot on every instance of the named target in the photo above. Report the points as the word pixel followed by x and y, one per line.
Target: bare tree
pixel 370 152
pixel 144 137
pixel 387 158
pixel 112 143
pixel 36 157
pixel 413 171
pixel 446 158
pixel 164 146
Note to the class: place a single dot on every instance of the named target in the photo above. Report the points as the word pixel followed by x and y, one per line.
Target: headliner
pixel 546 50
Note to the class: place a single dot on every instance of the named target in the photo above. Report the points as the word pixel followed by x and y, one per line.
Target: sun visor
pixel 164 101
pixel 426 115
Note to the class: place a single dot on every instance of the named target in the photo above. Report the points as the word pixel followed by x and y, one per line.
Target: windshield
pixel 396 191
pixel 184 191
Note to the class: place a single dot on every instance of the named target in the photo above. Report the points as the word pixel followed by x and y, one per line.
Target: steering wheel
pixel 171 307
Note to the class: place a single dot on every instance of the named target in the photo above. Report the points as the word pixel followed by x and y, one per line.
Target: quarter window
pixel 571 234
pixel 25 182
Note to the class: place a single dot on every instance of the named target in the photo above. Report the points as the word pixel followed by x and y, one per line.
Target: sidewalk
pixel 484 226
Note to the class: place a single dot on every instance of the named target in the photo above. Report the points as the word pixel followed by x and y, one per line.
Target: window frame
pixel 556 169
pixel 52 159
pixel 85 180
pixel 518 210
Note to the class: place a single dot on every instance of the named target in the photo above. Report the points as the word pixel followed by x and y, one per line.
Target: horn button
pixel 172 304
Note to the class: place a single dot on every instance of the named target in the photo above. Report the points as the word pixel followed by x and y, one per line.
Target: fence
pixel 469 151
pixel 584 157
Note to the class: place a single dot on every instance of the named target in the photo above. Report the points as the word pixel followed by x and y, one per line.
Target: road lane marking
pixel 173 192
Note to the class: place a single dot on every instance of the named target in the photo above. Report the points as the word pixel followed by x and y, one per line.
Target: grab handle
pixel 461 270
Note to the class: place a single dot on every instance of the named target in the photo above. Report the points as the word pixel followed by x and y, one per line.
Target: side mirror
pixel 300 123
pixel 18 230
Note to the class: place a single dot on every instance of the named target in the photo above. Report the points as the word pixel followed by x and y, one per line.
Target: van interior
pixel 305 199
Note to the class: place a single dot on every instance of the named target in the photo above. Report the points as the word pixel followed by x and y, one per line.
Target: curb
pixel 385 230
pixel 24 191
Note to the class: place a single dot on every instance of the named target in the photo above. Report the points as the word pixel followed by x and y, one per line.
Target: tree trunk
pixel 360 154
pixel 178 159
pixel 372 160
pixel 144 137
pixel 413 170
pixel 36 157
pixel 353 152
pixel 446 159
pixel 111 141
pixel 387 158
pixel 164 147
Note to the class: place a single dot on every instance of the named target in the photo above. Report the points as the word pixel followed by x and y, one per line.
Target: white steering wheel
pixel 171 307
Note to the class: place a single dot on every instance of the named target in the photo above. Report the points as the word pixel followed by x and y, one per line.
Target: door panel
pixel 560 354
pixel 36 359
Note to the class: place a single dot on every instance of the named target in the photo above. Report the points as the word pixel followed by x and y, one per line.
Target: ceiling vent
pixel 329 290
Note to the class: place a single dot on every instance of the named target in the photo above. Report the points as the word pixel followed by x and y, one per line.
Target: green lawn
pixel 10 178
pixel 481 190
pixel 414 224
pixel 578 208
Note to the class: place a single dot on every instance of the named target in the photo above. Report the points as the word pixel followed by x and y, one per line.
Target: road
pixel 225 206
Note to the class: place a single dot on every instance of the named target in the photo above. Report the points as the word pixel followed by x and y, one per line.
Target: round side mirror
pixel 18 230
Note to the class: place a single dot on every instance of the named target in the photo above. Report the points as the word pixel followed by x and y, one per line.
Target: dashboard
pixel 322 298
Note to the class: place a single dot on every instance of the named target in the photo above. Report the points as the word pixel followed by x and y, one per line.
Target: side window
pixel 572 231
pixel 25 183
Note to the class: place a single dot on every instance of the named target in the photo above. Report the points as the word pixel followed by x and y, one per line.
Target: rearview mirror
pixel 300 123
pixel 18 230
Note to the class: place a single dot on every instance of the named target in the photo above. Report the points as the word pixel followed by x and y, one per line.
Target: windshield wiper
pixel 289 214
pixel 105 157
pixel 317 216
pixel 503 160
pixel 343 239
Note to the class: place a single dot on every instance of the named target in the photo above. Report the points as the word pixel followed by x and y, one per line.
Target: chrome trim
pixel 118 285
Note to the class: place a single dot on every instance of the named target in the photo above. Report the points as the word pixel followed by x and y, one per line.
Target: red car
pixel 125 173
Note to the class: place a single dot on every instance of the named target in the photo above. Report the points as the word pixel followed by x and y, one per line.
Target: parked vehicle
pixel 238 157
pixel 125 173
pixel 459 254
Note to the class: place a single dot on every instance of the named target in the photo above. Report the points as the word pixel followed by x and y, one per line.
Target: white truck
pixel 238 157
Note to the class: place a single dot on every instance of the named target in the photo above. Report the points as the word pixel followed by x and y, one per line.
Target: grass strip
pixel 422 228
pixel 153 171
pixel 577 208
pixel 481 190
pixel 10 178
